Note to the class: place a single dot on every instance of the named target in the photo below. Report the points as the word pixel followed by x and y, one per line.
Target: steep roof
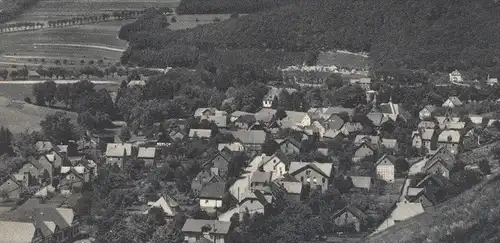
pixel 455 101
pixel 265 114
pixel 118 149
pixel 220 120
pixel 146 152
pixel 167 204
pixel 389 143
pixel 43 146
pixel 250 137
pixel 61 217
pixel 354 210
pixel 216 190
pixel 391 158
pixel 427 134
pixel 362 181
pixel 261 177
pixel 323 168
pixel 368 138
pixel 430 108
pixel 377 118
pixel 214 226
pixel 16 232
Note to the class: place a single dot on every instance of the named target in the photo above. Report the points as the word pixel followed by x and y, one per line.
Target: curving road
pixel 81 45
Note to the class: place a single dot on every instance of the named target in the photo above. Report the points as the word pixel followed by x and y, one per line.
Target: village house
pixel 245 121
pixel 43 146
pixel 295 119
pixel 491 81
pixel 349 219
pixel 455 77
pixel 35 172
pixel 235 115
pixel 260 180
pixel 378 119
pixel 72 179
pixel 200 133
pixel 168 206
pixel 218 164
pixel 426 125
pixel 116 153
pixel 273 95
pixel 450 139
pixel 242 184
pixel 384 168
pixel 55 224
pixel 365 83
pixel 326 112
pixel 252 140
pixel 373 140
pixel 423 139
pixel 213 230
pixel 289 145
pixel 394 111
pixel 419 195
pixel 432 182
pixel 148 155
pixel 352 129
pixel 452 102
pixel 361 183
pixel 334 122
pixel 205 113
pixel 11 189
pixel 363 150
pixel 312 173
pixel 203 178
pixel 315 128
pixel 391 144
pixel 426 112
pixel 211 196
pixel 291 186
pixel 233 147
pixel 471 139
pixel 276 164
pixel 255 202
pixel 440 163
pixel 219 120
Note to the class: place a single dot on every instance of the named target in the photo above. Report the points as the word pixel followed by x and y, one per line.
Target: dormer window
pixel 308 172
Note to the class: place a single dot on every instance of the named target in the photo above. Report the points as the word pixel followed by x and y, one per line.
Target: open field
pixel 46 10
pixel 73 43
pixel 343 59
pixel 19 116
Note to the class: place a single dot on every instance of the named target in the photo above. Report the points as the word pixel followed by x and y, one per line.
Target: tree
pixel 58 127
pixel 270 146
pixel 4 74
pixel 45 92
pixel 125 134
pixel 173 19
pixel 334 81
pixel 280 113
pixel 484 166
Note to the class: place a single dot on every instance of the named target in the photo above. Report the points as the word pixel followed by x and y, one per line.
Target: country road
pixel 81 45
pixel 56 81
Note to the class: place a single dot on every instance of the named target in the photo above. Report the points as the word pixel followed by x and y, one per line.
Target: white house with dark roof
pixel 252 140
pixel 200 133
pixel 276 164
pixel 385 168
pixel 211 196
pixel 295 119
pixel 17 232
pixel 450 139
pixel 234 147
pixel 213 230
pixel 167 204
pixel 117 152
pixel 426 112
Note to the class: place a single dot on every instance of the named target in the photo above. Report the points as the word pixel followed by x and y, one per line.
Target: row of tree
pixel 21 26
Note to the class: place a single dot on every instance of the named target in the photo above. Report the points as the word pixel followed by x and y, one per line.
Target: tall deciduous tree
pixel 58 126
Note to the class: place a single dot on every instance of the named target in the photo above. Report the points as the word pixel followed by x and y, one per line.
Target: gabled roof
pixel 454 100
pixel 146 152
pixel 426 124
pixel 439 180
pixel 220 121
pixel 322 168
pixel 265 114
pixel 390 158
pixel 216 190
pixel 235 146
pixel 427 134
pixel 352 209
pixel 214 226
pixel 353 127
pixel 430 108
pixel 291 187
pixel 290 140
pixel 250 137
pixel 43 146
pixel 218 154
pixel 443 155
pixel 377 118
pixel 199 111
pixel 167 204
pixel 362 181
pixel 61 217
pixel 118 149
pixel 389 143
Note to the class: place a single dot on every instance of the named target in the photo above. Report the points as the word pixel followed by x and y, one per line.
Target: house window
pixel 308 179
pixel 308 172
pixel 301 179
pixel 251 201
pixel 323 180
pixel 206 201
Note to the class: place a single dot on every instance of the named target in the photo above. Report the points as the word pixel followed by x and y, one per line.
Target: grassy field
pixel 52 9
pixel 343 59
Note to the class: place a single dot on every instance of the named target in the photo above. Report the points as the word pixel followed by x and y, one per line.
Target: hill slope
pixel 474 216
pixel 439 35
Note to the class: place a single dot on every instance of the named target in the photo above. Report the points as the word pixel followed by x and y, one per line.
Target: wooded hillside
pixel 436 35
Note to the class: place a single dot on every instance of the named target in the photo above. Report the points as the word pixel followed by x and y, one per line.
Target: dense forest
pixel 435 35
pixel 228 6
pixel 9 9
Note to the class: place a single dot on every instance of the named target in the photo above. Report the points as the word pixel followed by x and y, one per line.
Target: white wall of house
pixel 386 172
pixel 417 142
pixel 277 168
pixel 423 114
pixel 210 203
